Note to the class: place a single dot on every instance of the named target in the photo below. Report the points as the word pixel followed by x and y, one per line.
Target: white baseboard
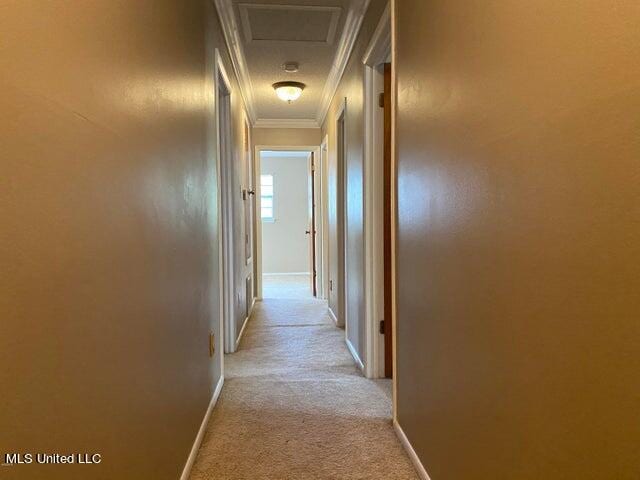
pixel 246 321
pixel 422 473
pixel 285 274
pixel 186 472
pixel 354 354
pixel 332 315
pixel 244 326
pixel 253 304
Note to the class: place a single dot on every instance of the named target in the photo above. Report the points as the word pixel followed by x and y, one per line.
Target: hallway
pixel 294 406
pixel 319 240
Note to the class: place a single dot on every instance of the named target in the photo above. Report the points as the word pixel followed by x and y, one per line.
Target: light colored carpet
pixel 286 286
pixel 295 407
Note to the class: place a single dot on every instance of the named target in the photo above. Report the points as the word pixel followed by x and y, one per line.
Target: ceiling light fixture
pixel 288 91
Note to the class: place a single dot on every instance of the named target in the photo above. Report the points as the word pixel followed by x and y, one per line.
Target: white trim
pixel 257 219
pixel 218 71
pixel 246 321
pixel 354 354
pixel 285 274
pixel 236 52
pixel 417 464
pixel 394 208
pixel 324 166
pixel 379 46
pixel 251 176
pixel 286 123
pixel 257 150
pixel 222 71
pixel 318 176
pixel 342 275
pixel 186 471
pixel 377 52
pixel 373 250
pixel 342 109
pixel 350 31
pixel 225 176
pixel 244 326
pixel 332 315
pixel 258 236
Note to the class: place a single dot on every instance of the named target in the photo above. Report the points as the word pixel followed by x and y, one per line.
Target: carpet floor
pixel 295 407
pixel 286 286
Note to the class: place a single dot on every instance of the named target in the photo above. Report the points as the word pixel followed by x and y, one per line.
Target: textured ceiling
pixel 279 31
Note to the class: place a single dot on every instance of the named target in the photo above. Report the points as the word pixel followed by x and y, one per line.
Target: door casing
pixel 258 231
pixel 377 53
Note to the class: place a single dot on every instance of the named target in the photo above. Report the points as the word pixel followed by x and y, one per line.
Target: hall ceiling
pixel 263 35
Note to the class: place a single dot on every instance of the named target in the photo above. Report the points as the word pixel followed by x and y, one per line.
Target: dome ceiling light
pixel 288 91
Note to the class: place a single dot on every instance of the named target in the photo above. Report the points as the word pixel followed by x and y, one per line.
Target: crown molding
pixel 380 43
pixel 285 123
pixel 236 52
pixel 352 25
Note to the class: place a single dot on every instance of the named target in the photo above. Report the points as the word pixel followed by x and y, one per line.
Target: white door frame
pixel 225 197
pixel 377 52
pixel 342 227
pixel 258 149
pixel 247 261
pixel 322 167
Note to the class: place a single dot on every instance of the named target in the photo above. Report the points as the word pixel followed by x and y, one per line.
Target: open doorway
pixel 379 202
pixel 289 216
pixel 223 109
pixel 338 225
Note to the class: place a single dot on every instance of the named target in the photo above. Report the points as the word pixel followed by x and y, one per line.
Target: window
pixel 266 197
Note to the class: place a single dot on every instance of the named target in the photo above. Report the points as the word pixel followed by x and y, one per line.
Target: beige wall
pixel 286 137
pixel 108 233
pixel 351 88
pixel 519 237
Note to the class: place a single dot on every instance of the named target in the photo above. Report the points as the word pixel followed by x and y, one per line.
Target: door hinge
pixel 382 327
pixel 331 285
pixel 212 344
pixel 381 100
